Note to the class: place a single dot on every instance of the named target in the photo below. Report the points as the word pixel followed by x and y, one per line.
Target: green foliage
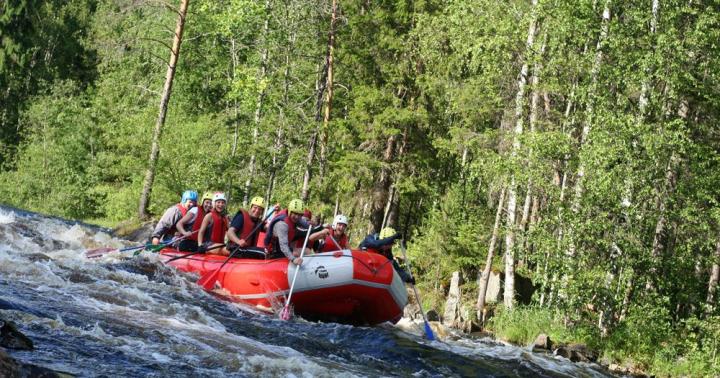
pixel 621 226
pixel 523 325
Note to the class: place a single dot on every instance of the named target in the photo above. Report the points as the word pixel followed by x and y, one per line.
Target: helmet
pixel 387 232
pixel 296 206
pixel 219 196
pixel 189 195
pixel 258 201
pixel 207 196
pixel 307 214
pixel 339 219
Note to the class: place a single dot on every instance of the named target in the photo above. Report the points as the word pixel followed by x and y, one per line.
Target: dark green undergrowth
pixel 646 339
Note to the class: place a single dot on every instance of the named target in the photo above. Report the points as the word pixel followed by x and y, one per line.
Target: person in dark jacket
pixel 382 243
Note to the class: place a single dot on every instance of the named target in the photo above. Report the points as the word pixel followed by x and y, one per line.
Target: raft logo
pixel 321 272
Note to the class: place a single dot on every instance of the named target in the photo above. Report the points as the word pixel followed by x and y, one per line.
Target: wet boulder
pixel 542 343
pixel 577 353
pixel 11 338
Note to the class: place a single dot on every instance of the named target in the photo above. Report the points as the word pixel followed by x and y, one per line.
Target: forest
pixel 571 144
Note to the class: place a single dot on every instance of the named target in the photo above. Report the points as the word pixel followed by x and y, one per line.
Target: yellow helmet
pixel 387 232
pixel 207 196
pixel 296 206
pixel 257 201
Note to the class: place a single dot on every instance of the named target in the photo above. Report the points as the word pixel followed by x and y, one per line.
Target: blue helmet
pixel 189 195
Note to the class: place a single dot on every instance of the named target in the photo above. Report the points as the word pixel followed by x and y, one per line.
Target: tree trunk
pixel 509 292
pixel 645 89
pixel 258 105
pixel 714 278
pixel 329 94
pixel 661 206
pixel 381 188
pixel 319 88
pixel 579 182
pixel 485 275
pixel 165 99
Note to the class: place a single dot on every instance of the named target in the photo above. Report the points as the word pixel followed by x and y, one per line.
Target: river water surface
pixel 132 316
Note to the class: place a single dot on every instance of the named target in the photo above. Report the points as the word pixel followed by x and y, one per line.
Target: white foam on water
pixel 295 366
pixel 7 217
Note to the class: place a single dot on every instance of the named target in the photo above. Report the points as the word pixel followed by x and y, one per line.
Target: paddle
pixel 208 280
pixel 334 241
pixel 428 331
pixel 194 253
pixel 285 313
pixel 97 252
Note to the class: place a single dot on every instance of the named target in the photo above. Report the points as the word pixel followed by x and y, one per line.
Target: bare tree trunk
pixel 714 278
pixel 645 90
pixel 329 95
pixel 279 134
pixel 165 99
pixel 509 292
pixel 381 188
pixel 258 105
pixel 579 182
pixel 308 167
pixel 319 88
pixel 661 205
pixel 485 275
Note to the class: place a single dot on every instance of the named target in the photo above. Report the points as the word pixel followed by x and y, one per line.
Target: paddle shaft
pixel 285 314
pixel 428 331
pixel 208 281
pixel 94 254
pixel 193 253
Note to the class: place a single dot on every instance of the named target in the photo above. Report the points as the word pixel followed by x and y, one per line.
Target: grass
pixel 691 349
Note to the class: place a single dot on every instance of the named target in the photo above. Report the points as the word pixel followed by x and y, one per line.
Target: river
pixel 133 316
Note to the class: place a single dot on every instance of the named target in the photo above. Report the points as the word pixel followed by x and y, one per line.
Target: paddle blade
pixel 429 332
pixel 97 252
pixel 208 280
pixel 285 313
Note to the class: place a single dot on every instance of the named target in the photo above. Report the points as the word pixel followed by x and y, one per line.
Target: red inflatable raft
pixel 349 286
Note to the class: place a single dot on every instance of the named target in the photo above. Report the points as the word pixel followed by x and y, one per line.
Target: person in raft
pixel 166 227
pixel 283 233
pixel 382 243
pixel 189 225
pixel 244 230
pixel 211 236
pixel 332 238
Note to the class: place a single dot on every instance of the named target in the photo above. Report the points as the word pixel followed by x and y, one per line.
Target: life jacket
pixel 197 223
pixel 183 211
pixel 272 241
pixel 248 225
pixel 329 244
pixel 219 227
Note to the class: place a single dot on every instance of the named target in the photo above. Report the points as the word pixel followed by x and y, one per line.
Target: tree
pixel 164 100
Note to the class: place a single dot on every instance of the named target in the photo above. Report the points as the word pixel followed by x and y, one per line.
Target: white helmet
pixel 219 196
pixel 339 219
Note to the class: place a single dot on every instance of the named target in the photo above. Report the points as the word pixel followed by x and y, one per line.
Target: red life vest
pixel 197 223
pixel 183 211
pixel 329 244
pixel 248 226
pixel 272 240
pixel 219 227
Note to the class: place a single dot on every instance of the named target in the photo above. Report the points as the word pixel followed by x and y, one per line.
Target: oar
pixel 194 253
pixel 285 313
pixel 335 241
pixel 428 331
pixel 208 280
pixel 97 252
